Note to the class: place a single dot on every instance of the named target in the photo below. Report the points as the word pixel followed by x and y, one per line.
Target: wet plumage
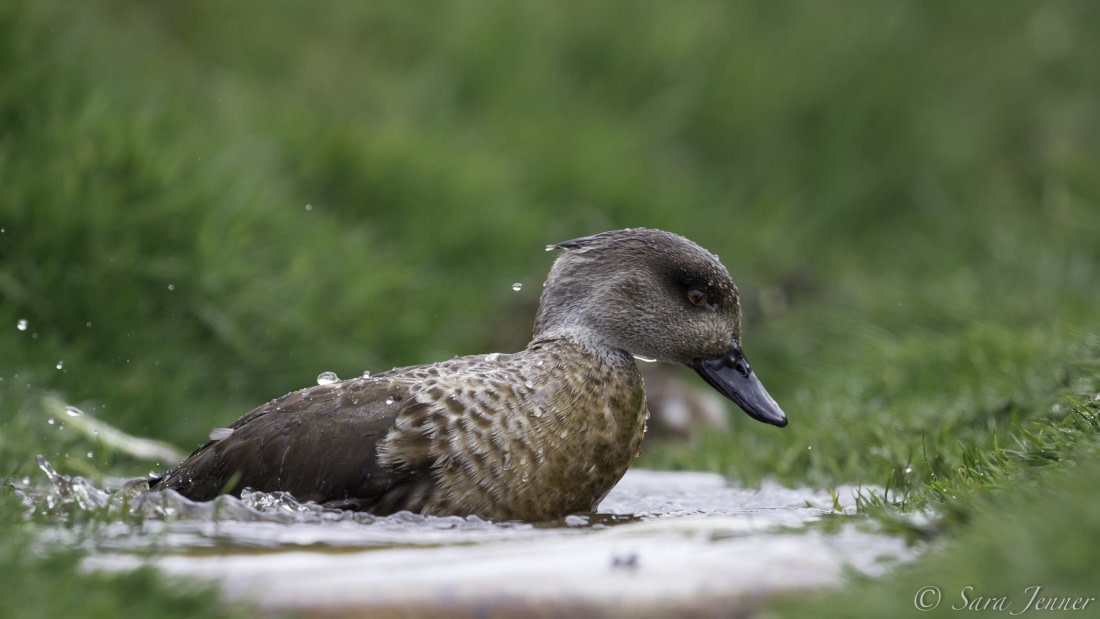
pixel 533 435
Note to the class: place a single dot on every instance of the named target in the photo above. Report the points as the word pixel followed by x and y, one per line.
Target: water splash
pixel 21 324
pixel 132 498
pixel 517 286
pixel 641 495
pixel 327 378
pixel 64 491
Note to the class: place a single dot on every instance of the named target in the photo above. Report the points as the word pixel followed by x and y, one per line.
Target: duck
pixel 534 435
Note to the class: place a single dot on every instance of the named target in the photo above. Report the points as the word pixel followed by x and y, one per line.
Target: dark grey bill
pixel 733 377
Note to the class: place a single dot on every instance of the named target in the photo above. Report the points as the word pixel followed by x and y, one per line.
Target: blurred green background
pixel 206 204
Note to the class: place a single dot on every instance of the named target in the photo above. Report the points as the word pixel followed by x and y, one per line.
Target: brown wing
pixel 319 444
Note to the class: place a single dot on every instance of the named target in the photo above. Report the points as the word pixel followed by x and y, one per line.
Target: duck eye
pixel 697 297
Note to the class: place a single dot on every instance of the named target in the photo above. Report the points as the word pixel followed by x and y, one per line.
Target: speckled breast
pixel 533 436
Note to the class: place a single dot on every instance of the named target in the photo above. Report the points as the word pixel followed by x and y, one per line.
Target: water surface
pixel 661 541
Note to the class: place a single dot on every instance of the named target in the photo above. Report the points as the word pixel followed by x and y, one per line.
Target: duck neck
pixel 588 343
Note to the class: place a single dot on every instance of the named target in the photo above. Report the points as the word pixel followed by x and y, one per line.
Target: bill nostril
pixel 742 366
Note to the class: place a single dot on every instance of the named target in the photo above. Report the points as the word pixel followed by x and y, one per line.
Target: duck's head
pixel 655 295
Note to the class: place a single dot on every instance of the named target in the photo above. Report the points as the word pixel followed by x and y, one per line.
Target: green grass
pixel 905 192
pixel 1035 523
